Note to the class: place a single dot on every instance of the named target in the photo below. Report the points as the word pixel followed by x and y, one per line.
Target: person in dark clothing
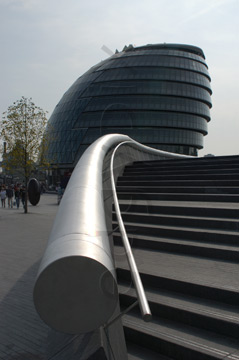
pixel 23 195
pixel 17 197
pixel 9 193
pixel 3 196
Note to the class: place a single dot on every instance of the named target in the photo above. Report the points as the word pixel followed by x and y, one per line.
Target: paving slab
pixel 23 237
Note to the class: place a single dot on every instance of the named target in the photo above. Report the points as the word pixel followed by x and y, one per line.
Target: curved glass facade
pixel 159 95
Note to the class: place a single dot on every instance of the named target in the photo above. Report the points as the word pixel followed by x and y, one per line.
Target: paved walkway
pixel 23 237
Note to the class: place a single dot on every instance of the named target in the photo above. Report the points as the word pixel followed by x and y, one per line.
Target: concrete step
pixel 186 247
pixel 197 209
pixel 179 220
pixel 211 183
pixel 182 220
pixel 137 352
pixel 183 233
pixel 147 166
pixel 184 176
pixel 232 198
pixel 177 189
pixel 180 170
pixel 211 279
pixel 188 310
pixel 179 341
pixel 222 160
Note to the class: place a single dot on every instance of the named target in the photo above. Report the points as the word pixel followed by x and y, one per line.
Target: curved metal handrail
pixel 143 302
pixel 76 288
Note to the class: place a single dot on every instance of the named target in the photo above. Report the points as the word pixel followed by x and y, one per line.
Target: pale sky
pixel 47 44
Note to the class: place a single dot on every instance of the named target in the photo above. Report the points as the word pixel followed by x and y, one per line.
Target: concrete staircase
pixel 182 219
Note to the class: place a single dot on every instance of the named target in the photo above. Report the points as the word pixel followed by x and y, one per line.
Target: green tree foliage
pixel 23 130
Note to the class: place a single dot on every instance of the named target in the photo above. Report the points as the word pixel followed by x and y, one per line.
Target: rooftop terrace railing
pixel 76 287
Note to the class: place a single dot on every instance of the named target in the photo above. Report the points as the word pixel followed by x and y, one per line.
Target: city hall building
pixel 159 95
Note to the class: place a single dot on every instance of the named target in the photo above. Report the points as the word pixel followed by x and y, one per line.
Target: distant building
pixel 159 95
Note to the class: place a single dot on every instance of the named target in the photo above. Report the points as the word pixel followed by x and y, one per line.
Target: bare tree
pixel 23 129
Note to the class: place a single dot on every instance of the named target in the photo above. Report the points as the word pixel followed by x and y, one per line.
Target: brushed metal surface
pixel 75 289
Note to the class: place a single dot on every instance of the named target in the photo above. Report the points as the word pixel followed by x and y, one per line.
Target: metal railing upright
pixel 142 299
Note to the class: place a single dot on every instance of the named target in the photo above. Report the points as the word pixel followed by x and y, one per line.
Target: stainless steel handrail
pixel 76 288
pixel 143 302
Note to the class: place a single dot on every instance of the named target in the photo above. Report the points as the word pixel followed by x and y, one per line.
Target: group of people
pixel 13 195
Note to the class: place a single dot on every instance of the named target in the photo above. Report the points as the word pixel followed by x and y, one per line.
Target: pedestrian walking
pixel 3 196
pixel 23 195
pixel 9 192
pixel 17 196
